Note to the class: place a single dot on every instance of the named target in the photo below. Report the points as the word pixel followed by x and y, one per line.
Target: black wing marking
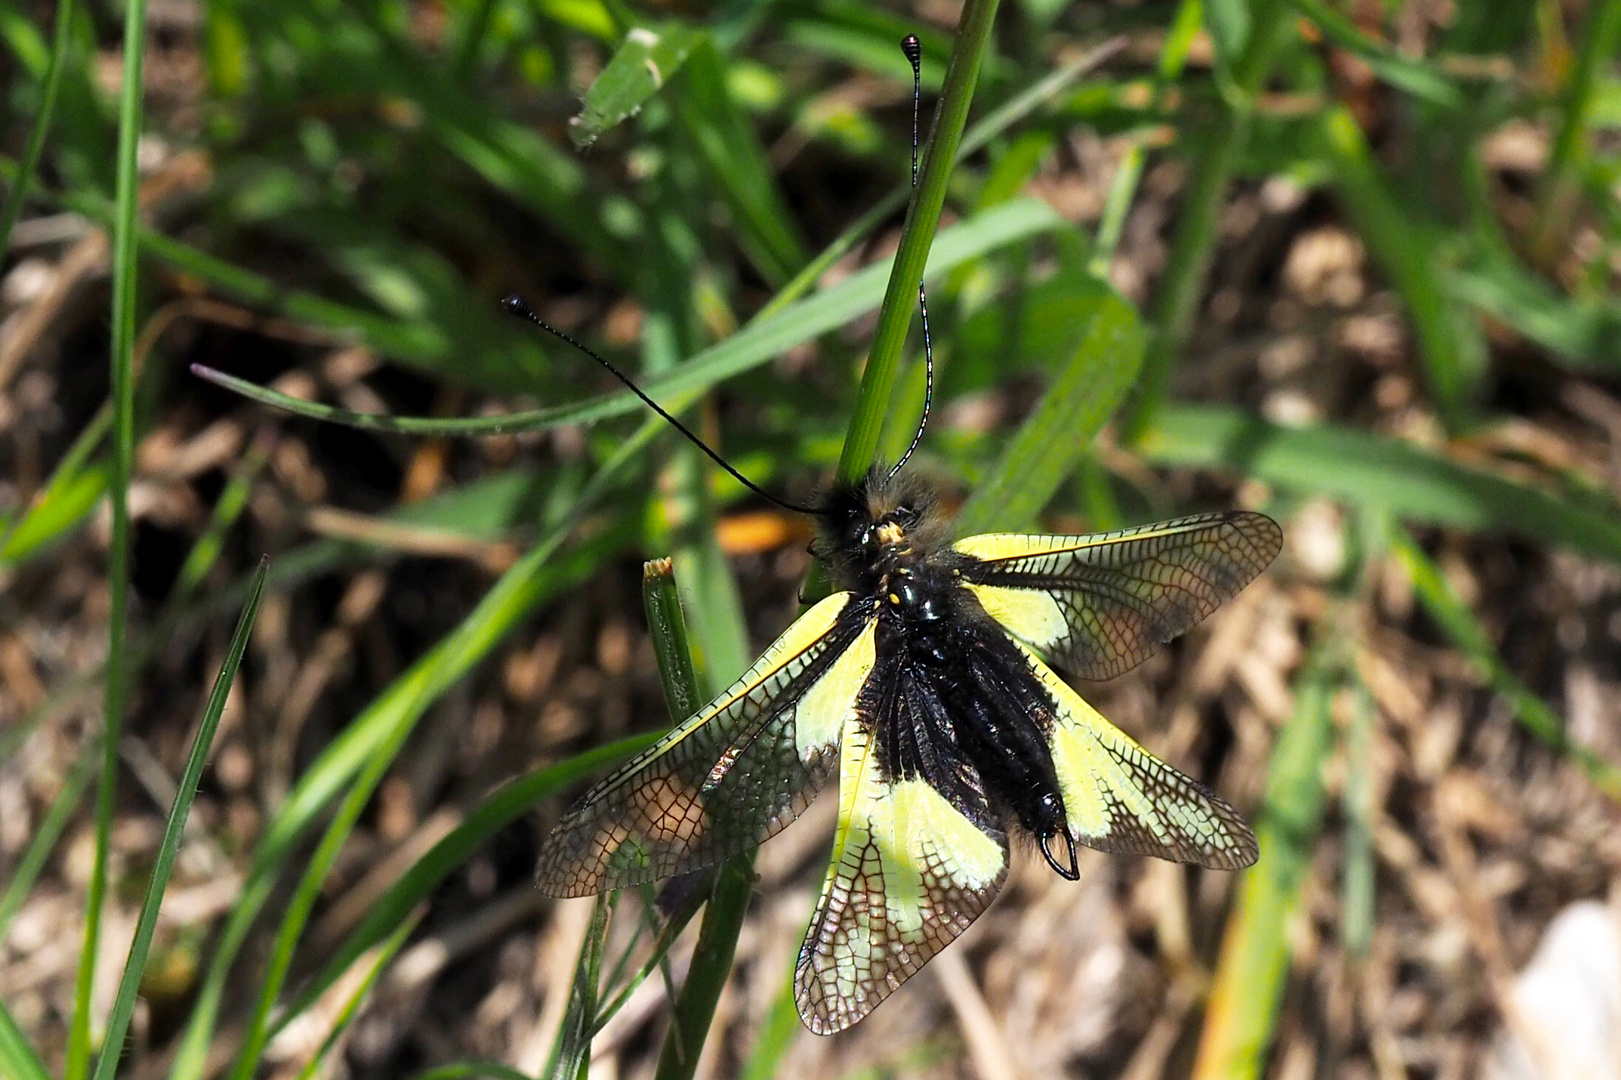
pixel 728 777
pixel 1099 605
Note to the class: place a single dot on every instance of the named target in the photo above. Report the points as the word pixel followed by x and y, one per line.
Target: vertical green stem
pixel 123 395
pixel 895 315
pixel 42 121
pixel 1211 171
pixel 1600 31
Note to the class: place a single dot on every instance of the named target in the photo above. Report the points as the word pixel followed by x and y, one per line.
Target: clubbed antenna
pixel 913 49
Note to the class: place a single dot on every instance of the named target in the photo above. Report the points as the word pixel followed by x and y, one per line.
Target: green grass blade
pixel 1450 345
pixel 646 59
pixel 777 1032
pixel 1561 183
pixel 61 37
pixel 498 810
pixel 1176 298
pixel 900 295
pixel 18 1061
pixel 74 488
pixel 1460 624
pixel 571 1057
pixel 1378 473
pixel 750 347
pixel 122 358
pixel 1254 959
pixel 384 723
pixel 135 967
pixel 1107 349
pixel 316 1066
pixel 711 964
pixel 737 166
pixel 46 834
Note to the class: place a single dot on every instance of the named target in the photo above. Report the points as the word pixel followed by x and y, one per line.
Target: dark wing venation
pixel 1119 797
pixel 912 868
pixel 719 783
pixel 1120 595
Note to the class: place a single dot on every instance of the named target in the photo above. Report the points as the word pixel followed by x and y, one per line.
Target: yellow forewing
pixel 728 777
pixel 909 874
pixel 1121 798
pixel 1099 605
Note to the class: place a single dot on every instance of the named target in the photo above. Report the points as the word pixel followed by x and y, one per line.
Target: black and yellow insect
pixel 925 683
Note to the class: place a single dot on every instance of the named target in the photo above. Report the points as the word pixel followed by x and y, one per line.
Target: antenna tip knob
pixel 912 47
pixel 516 305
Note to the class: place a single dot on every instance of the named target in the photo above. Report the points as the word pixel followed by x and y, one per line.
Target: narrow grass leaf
pixel 750 347
pixel 1449 342
pixel 46 834
pixel 499 809
pixel 1106 349
pixel 317 1064
pixel 571 1056
pixel 1584 332
pixel 45 112
pixel 1254 961
pixel 18 1059
pixel 647 59
pixel 365 742
pixel 122 380
pixel 1416 77
pixel 1460 624
pixel 1379 473
pixel 895 313
pixel 169 847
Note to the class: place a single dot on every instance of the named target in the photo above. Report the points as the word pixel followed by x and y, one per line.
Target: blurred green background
pixel 1351 262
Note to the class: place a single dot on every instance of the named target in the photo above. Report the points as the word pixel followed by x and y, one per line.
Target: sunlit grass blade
pixel 1460 624
pixel 18 1060
pixel 1104 357
pixel 61 38
pixel 1254 961
pixel 571 1055
pixel 169 847
pixel 1181 284
pixel 645 60
pixel 750 347
pixel 384 954
pixel 1449 343
pixel 122 380
pixel 895 313
pixel 1561 183
pixel 75 486
pixel 49 830
pixel 1379 473
pixel 384 723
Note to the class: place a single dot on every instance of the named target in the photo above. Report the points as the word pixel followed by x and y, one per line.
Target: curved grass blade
pixel 1466 633
pixel 750 347
pixel 1379 473
pixel 643 63
pixel 46 834
pixel 61 36
pixel 1103 364
pixel 17 1057
pixel 124 1003
pixel 351 1007
pixel 384 723
pixel 502 807
pixel 122 392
